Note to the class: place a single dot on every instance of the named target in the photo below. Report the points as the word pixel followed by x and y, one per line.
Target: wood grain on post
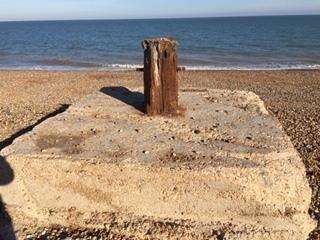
pixel 160 76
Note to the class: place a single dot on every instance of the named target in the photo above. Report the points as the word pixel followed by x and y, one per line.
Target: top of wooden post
pixel 159 41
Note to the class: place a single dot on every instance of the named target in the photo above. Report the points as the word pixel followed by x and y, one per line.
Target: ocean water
pixel 278 42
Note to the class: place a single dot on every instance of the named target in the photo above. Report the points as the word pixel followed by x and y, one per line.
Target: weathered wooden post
pixel 160 76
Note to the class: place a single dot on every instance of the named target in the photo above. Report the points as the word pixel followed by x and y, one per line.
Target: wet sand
pixel 293 96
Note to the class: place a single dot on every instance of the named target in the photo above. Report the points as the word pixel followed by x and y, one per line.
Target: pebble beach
pixel 293 96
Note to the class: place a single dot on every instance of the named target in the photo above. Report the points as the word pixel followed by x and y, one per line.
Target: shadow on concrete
pixel 6 172
pixel 134 99
pixel 7 175
pixel 6 227
pixel 9 140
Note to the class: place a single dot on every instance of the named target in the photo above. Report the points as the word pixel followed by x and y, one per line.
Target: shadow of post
pixel 9 140
pixel 134 99
pixel 6 227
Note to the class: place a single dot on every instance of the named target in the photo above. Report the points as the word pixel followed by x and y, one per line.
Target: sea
pixel 227 43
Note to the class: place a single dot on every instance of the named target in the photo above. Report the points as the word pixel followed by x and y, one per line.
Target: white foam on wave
pixel 119 67
pixel 128 67
pixel 257 68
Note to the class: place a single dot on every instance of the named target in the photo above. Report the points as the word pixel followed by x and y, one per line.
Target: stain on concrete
pixel 67 144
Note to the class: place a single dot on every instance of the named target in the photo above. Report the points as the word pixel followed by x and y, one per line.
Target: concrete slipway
pixel 225 170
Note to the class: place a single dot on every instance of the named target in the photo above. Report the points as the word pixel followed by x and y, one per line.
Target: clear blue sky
pixel 114 9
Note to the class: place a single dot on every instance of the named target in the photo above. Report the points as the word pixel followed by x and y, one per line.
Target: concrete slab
pixel 226 170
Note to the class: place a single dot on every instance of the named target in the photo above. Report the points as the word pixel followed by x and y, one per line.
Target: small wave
pixel 3 54
pixel 66 65
pixel 67 62
pixel 119 67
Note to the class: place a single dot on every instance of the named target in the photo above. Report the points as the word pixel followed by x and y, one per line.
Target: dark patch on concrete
pixel 117 154
pixel 237 147
pixel 198 161
pixel 67 144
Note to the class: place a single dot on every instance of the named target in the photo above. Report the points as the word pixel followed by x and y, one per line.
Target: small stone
pixel 145 152
pixel 197 131
pixel 215 125
pixel 173 154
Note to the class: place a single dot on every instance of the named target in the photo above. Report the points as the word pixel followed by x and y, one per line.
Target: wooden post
pixel 160 76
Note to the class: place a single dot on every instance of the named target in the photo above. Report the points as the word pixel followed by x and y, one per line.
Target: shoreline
pixel 134 70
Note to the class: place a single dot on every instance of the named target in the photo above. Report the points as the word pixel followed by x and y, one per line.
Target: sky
pixel 11 10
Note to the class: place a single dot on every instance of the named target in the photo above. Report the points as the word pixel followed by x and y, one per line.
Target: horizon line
pixel 159 18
